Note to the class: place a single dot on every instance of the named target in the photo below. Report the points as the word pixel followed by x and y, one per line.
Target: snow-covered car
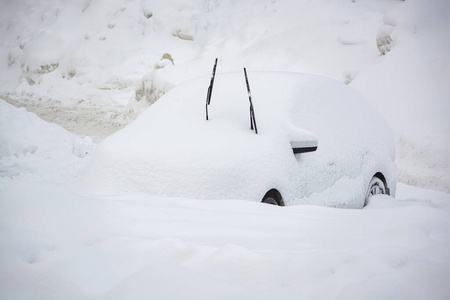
pixel 172 150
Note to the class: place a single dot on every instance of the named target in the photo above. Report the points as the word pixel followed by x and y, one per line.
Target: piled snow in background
pixel 34 149
pixel 410 87
pixel 83 55
pixel 330 38
pixel 93 65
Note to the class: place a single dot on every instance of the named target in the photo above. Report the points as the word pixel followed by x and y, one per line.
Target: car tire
pixel 376 187
pixel 269 200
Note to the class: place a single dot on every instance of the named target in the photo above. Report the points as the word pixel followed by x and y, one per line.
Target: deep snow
pixel 60 244
pixel 92 66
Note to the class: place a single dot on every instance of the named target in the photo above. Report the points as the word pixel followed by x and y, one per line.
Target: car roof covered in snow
pixel 171 149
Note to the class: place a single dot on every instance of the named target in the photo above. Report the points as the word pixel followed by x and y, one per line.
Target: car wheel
pixel 376 187
pixel 273 197
pixel 269 200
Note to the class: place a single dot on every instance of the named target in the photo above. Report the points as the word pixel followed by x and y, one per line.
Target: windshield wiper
pixel 208 95
pixel 252 112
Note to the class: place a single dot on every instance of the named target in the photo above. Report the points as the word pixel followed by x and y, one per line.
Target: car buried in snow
pixel 317 142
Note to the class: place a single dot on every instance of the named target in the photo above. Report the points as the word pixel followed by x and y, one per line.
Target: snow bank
pixel 99 53
pixel 91 50
pixel 409 86
pixel 34 149
pixel 335 39
pixel 86 55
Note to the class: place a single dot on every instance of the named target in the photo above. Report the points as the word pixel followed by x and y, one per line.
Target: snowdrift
pixel 37 150
pixel 409 86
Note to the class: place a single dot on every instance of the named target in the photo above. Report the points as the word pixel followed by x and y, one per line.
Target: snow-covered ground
pixel 58 244
pixel 92 66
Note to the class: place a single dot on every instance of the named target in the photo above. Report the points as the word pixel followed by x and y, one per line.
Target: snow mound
pixel 99 51
pixel 35 149
pixel 409 86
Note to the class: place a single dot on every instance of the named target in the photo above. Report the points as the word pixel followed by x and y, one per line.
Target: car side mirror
pixel 304 146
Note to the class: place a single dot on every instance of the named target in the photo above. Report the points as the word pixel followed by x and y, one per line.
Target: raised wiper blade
pixel 211 84
pixel 252 112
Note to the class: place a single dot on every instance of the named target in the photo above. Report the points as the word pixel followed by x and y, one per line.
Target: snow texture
pixel 409 86
pixel 58 244
pixel 33 148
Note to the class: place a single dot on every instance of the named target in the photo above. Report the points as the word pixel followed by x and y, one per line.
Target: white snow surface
pixel 92 66
pixel 409 86
pixel 60 244
pixel 34 149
